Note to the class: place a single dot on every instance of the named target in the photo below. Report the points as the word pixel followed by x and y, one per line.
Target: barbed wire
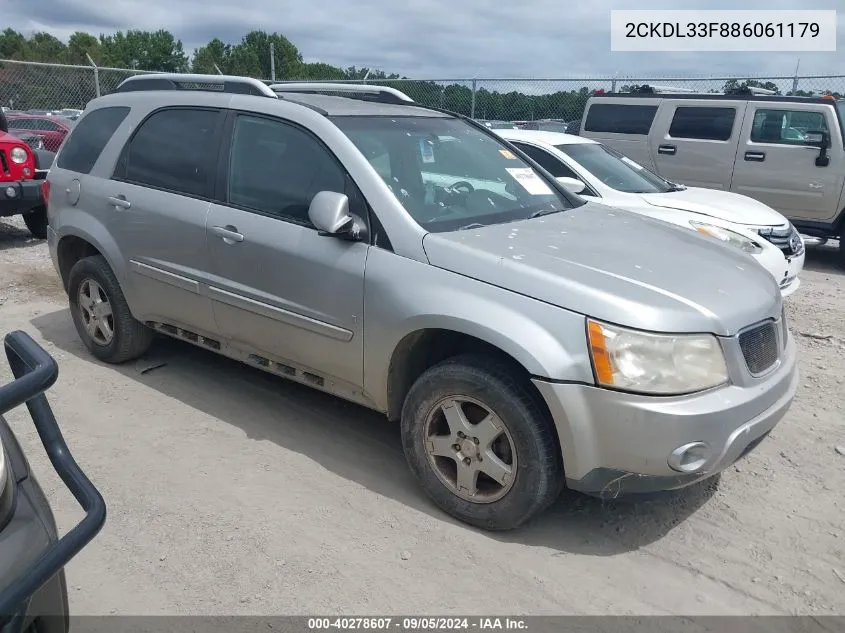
pixel 38 85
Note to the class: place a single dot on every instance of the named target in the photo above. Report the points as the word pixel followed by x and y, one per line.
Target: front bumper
pixel 616 443
pixel 20 196
pixel 27 530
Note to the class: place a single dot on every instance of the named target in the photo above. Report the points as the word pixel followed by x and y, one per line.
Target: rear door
pixel 694 141
pixel 775 166
pixel 623 123
pixel 155 208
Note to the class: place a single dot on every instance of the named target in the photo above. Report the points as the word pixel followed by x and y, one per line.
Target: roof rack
pixel 365 92
pixel 211 83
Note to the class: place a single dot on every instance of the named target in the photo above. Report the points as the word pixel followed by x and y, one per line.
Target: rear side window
pixel 84 146
pixel 708 124
pixel 548 162
pixel 173 150
pixel 616 118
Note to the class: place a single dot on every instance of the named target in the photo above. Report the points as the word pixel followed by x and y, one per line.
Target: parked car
pixel 524 338
pixel 498 125
pixel 546 125
pixel 786 152
pixel 595 171
pixel 52 129
pixel 23 167
pixel 33 589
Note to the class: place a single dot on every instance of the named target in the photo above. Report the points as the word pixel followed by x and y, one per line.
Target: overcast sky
pixel 434 38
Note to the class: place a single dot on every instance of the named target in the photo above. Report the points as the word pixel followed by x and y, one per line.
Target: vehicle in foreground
pixel 597 172
pixel 786 152
pixel 22 172
pixel 33 590
pixel 410 260
pixel 52 129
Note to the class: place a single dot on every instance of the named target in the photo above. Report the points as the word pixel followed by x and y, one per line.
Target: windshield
pixel 615 170
pixel 450 175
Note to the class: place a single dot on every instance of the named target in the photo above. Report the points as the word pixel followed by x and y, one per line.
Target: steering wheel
pixel 462 184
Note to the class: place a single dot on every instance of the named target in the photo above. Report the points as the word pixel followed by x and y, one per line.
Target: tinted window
pixel 82 148
pixel 548 162
pixel 620 119
pixel 277 169
pixel 787 127
pixel 49 126
pixel 21 124
pixel 709 124
pixel 173 150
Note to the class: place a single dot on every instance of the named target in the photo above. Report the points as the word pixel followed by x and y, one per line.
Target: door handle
pixel 755 157
pixel 816 185
pixel 119 202
pixel 228 233
pixel 669 150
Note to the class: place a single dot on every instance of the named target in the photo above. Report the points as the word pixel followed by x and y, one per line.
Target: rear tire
pixel 506 439
pixel 36 222
pixel 101 315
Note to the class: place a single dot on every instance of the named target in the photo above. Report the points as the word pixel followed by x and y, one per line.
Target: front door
pixel 282 291
pixel 776 167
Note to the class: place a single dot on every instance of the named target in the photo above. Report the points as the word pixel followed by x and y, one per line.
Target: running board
pixel 296 374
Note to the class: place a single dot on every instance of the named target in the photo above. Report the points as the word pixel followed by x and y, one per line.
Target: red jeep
pixel 22 173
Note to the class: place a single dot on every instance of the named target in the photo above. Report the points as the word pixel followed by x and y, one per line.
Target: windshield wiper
pixel 474 225
pixel 543 212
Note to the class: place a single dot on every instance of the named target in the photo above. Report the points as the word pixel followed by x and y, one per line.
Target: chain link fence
pixel 31 85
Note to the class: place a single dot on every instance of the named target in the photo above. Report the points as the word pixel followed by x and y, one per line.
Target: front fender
pixel 404 296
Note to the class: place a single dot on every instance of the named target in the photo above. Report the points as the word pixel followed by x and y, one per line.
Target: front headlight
pixel 18 155
pixel 729 237
pixel 659 364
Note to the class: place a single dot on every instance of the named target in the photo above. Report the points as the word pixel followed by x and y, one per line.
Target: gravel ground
pixel 233 492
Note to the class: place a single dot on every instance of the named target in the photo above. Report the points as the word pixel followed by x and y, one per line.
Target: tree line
pixel 257 54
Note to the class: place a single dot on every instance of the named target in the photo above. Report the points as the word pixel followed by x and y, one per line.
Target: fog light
pixel 11 192
pixel 689 458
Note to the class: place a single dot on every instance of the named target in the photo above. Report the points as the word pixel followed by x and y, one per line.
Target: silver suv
pixel 409 260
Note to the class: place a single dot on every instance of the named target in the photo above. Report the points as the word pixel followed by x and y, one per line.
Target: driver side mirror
pixel 820 139
pixel 573 185
pixel 817 138
pixel 329 212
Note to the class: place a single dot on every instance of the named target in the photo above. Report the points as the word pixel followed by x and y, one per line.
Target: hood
pixel 724 205
pixel 5 137
pixel 616 266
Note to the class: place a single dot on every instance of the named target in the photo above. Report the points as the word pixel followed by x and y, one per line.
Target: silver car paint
pixel 524 287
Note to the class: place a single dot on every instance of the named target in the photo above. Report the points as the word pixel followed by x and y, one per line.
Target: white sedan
pixel 601 174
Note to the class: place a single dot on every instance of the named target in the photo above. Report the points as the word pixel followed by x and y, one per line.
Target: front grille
pixel 759 347
pixel 4 165
pixel 786 239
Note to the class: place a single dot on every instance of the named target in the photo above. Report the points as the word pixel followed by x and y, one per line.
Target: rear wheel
pixel 479 443
pixel 36 222
pixel 101 314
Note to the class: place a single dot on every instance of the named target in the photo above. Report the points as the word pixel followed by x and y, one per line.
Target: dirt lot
pixel 233 492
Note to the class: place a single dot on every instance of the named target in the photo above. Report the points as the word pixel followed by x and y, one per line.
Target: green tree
pixel 43 47
pixel 12 45
pixel 254 49
pixel 145 50
pixel 215 53
pixel 80 46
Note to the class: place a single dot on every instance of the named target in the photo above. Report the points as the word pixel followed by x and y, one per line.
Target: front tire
pixel 36 222
pixel 477 439
pixel 101 315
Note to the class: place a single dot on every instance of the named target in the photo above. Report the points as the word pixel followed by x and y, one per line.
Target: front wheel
pixel 101 314
pixel 479 443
